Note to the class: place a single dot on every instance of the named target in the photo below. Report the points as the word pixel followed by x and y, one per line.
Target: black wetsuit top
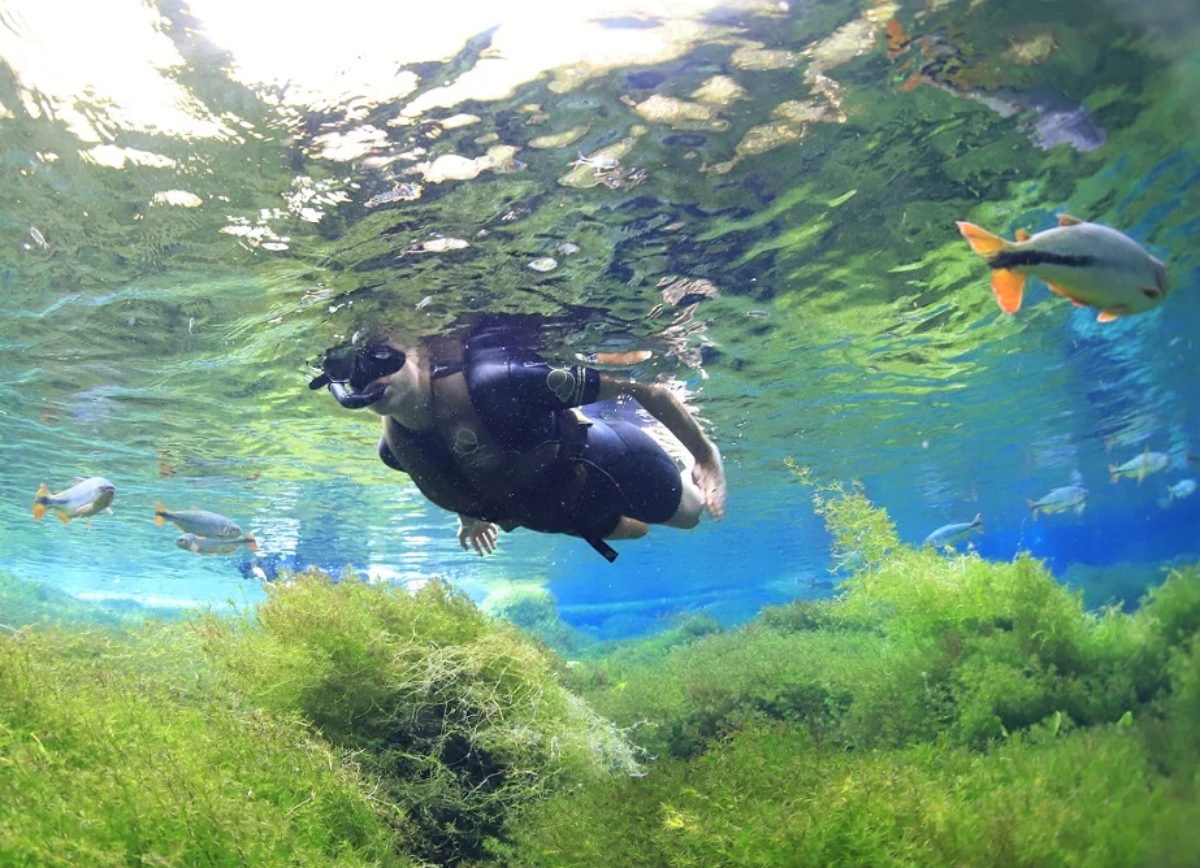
pixel 596 473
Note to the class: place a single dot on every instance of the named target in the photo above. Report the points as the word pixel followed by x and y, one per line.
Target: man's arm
pixel 661 403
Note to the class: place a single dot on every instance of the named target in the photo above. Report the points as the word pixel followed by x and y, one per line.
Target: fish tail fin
pixel 39 502
pixel 1113 473
pixel 985 243
pixel 1034 507
pixel 251 542
pixel 159 518
pixel 1008 285
pixel 977 522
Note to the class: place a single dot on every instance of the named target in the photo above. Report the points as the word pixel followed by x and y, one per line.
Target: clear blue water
pixel 162 314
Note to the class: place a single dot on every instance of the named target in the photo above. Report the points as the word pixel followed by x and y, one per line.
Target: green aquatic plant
pixel 862 532
pixel 917 645
pixel 768 796
pixel 458 717
pixel 120 749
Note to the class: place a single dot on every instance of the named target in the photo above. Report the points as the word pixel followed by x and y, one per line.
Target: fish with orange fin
pixel 83 499
pixel 1089 264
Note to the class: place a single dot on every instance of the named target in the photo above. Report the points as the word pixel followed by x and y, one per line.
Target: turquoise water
pixel 191 212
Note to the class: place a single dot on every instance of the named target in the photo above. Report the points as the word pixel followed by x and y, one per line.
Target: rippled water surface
pixel 198 198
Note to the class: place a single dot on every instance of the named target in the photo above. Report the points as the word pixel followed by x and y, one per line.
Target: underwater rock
pixel 720 90
pixel 459 120
pixel 544 264
pixel 588 171
pixel 754 56
pixel 436 245
pixel 399 193
pixel 673 111
pixel 449 167
pixel 560 140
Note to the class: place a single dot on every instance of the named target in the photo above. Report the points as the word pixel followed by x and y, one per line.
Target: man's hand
pixel 481 535
pixel 709 476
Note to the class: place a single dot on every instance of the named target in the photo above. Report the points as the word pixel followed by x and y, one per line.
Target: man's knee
pixel 691 504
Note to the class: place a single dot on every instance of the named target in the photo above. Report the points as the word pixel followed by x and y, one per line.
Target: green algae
pixel 458 718
pixel 113 753
pixel 939 711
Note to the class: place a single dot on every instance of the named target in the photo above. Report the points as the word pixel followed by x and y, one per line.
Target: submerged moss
pixel 939 711
pixel 458 717
pixel 115 751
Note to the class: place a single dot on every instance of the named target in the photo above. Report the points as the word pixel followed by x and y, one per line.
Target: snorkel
pixel 352 374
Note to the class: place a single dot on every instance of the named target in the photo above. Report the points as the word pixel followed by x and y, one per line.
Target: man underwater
pixel 488 430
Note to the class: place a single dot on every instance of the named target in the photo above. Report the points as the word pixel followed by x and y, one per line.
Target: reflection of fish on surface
pixel 198 521
pixel 200 545
pixel 940 63
pixel 1181 489
pixel 1089 264
pixel 83 499
pixel 949 534
pixel 1060 500
pixel 1140 467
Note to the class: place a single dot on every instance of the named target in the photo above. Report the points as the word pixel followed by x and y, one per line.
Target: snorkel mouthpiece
pixel 356 400
pixel 352 374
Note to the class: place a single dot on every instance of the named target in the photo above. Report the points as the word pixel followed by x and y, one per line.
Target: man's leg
pixel 691 504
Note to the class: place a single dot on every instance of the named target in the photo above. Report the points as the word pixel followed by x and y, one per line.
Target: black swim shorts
pixel 628 473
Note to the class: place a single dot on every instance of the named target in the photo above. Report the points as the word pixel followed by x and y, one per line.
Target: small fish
pixel 38 238
pixel 1090 264
pixel 1181 489
pixel 544 264
pixel 82 500
pixel 197 521
pixel 1146 463
pixel 949 534
pixel 200 545
pixel 1060 500
pixel 567 248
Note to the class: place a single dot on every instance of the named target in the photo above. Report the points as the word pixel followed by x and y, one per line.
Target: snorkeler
pixel 488 431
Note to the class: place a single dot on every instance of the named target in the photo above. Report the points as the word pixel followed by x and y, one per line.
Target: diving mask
pixel 351 373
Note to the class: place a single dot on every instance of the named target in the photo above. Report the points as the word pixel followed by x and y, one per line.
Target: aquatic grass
pixel 917 644
pixel 105 761
pixel 767 796
pixel 458 717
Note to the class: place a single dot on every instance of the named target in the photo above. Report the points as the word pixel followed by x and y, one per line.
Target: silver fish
pixel 1060 500
pixel 1089 264
pixel 82 500
pixel 200 545
pixel 949 534
pixel 198 521
pixel 1141 467
pixel 1181 489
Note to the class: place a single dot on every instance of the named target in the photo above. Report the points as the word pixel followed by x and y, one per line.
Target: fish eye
pixel 1152 292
